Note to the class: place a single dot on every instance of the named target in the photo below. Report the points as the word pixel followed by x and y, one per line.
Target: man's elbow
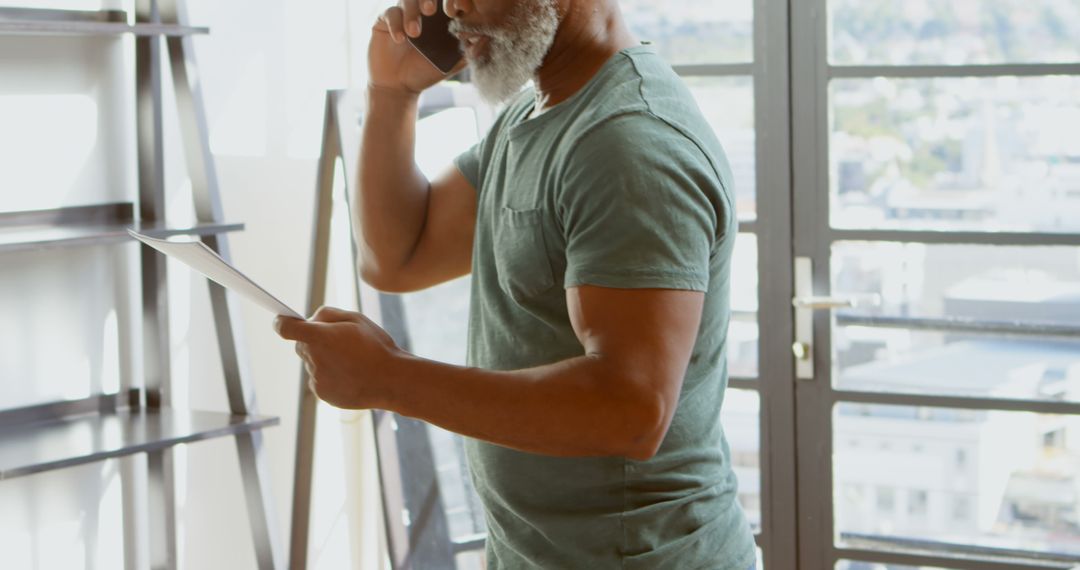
pixel 383 280
pixel 647 429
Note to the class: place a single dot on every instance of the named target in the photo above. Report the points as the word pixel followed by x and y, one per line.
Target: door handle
pixel 819 303
pixel 806 303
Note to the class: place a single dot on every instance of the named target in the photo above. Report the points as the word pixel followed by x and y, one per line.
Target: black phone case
pixel 436 43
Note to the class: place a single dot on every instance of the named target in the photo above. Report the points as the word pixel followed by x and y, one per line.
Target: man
pixel 596 220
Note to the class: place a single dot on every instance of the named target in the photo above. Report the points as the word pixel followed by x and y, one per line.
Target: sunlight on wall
pixel 110 355
pixel 241 127
pixel 56 4
pixel 45 142
pixel 316 60
pixel 68 534
pixel 110 517
pixel 435 150
pixel 61 339
pixel 70 519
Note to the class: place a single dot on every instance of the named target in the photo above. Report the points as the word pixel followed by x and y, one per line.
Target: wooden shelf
pixel 88 225
pixel 32 21
pixel 95 429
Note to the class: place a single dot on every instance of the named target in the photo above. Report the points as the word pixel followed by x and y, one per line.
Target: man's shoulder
pixel 640 99
pixel 620 90
pixel 642 139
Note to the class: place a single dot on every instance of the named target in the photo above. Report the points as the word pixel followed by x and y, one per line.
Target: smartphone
pixel 436 43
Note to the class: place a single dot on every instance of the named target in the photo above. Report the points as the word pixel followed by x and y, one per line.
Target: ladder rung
pixel 32 21
pixel 96 429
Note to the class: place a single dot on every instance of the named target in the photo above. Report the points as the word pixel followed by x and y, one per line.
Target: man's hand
pixel 347 356
pixel 393 64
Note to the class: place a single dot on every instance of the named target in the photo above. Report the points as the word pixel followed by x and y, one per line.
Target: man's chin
pixel 494 87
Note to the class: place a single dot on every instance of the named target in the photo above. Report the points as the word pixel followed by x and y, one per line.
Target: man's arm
pixel 617 399
pixel 413 233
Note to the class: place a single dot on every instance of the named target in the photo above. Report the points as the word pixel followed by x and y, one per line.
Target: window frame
pixel 811 75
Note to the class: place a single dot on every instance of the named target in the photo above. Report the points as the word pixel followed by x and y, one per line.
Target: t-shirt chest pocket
pixel 521 258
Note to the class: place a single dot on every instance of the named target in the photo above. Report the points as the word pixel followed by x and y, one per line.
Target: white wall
pixel 264 69
pixel 63 104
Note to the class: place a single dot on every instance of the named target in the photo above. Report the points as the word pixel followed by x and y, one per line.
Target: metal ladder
pixel 50 436
pixel 417 532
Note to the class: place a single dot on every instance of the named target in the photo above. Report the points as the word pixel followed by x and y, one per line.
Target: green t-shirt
pixel 622 185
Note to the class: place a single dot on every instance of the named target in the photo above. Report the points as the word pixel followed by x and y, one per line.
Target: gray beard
pixel 515 50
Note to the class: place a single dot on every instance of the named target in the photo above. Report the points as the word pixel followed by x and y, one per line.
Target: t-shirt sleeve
pixel 641 207
pixel 468 163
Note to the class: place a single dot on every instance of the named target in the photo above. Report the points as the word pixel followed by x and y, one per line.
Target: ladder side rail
pixel 161 490
pixel 317 283
pixel 206 194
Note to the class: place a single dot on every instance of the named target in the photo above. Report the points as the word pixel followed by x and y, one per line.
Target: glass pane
pixel 742 346
pixel 438 321
pixel 744 274
pixel 742 340
pixel 985 154
pixel 728 105
pixel 464 512
pixel 443 136
pixel 1030 284
pixel 860 565
pixel 474 560
pixel 961 481
pixel 891 360
pixel 695 31
pixel 742 426
pixel 887 32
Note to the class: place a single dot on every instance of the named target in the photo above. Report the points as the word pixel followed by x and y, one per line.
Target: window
pixel 924 153
pixel 935 170
pixel 918 503
pixel 961 508
pixel 695 31
pixel 1054 440
pixel 886 499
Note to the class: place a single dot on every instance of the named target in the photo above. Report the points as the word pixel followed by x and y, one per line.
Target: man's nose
pixel 457 8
